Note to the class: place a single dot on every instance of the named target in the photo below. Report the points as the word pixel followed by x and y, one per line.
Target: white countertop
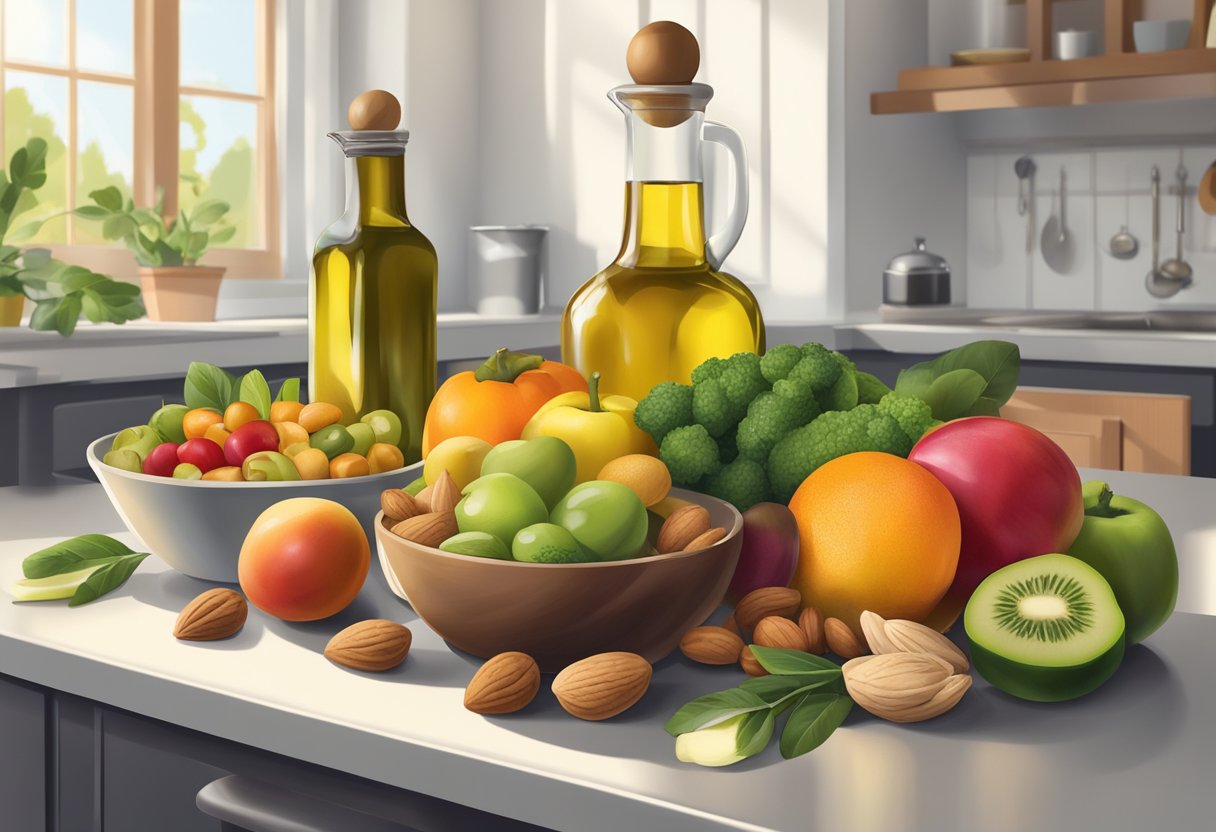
pixel 1135 755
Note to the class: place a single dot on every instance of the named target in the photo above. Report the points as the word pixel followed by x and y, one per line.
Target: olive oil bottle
pixel 372 297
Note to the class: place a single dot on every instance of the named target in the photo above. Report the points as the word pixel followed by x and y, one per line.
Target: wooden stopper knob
pixel 374 110
pixel 663 52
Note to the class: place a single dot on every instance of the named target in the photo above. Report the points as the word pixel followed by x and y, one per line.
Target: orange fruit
pixel 877 533
pixel 285 411
pixel 196 422
pixel 239 413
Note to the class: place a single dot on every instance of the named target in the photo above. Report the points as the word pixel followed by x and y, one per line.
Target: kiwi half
pixel 1046 628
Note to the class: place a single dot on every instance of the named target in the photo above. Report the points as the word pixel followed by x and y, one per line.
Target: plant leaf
pixel 208 212
pixel 109 198
pixel 713 708
pixel 998 362
pixel 256 392
pixel 754 732
pixel 812 721
pixel 44 315
pixel 68 314
pixel 208 386
pixel 772 689
pixel 222 234
pixel 92 212
pixel 953 394
pixel 782 662
pixel 289 391
pixel 73 554
pixel 107 579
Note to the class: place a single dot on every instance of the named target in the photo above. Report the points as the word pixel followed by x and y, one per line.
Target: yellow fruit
pixel 877 533
pixel 239 413
pixel 285 411
pixel 319 415
pixel 228 473
pixel 348 465
pixel 460 456
pixel 295 447
pixel 196 422
pixel 312 463
pixel 383 457
pixel 645 475
pixel 217 434
pixel 290 433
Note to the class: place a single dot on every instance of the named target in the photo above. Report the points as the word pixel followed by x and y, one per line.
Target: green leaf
pixel 952 395
pixel 256 392
pixel 109 198
pixel 773 689
pixel 223 234
pixel 92 212
pixel 208 386
pixel 45 315
pixel 782 662
pixel 289 391
pixel 118 226
pixel 713 708
pixel 107 579
pixel 24 232
pixel 68 314
pixel 754 732
pixel 94 309
pixel 998 362
pixel 208 212
pixel 75 278
pixel 812 721
pixel 73 554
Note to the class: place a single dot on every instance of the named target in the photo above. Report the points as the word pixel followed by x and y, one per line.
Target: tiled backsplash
pixel 1104 190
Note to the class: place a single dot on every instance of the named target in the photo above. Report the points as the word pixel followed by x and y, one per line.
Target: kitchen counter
pixel 1134 755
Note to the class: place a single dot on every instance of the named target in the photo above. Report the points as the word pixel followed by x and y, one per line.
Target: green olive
pixel 385 424
pixel 167 422
pixel 269 466
pixel 187 471
pixel 333 440
pixel 548 543
pixel 363 435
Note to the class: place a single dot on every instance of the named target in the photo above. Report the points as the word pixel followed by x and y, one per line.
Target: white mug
pixel 1073 43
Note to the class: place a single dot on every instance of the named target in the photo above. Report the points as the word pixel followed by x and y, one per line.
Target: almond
pixel 842 640
pixel 373 645
pixel 705 540
pixel 750 664
pixel 398 505
pixel 682 526
pixel 811 622
pixel 911 637
pixel 428 529
pixel 503 685
pixel 874 628
pixel 216 614
pixel 775 631
pixel 603 685
pixel 766 601
pixel 711 645
pixel 904 687
pixel 423 499
pixel 444 494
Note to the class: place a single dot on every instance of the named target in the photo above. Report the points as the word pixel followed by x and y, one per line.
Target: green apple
pixel 167 422
pixel 385 425
pixel 363 435
pixel 499 504
pixel 124 458
pixel 606 518
pixel 1130 545
pixel 546 463
pixel 141 439
pixel 548 543
pixel 187 471
pixel 477 544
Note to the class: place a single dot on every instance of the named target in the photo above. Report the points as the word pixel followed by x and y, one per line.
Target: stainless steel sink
pixel 1160 320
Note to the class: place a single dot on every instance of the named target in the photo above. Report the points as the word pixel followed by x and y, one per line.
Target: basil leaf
pixel 997 362
pixel 772 689
pixel 754 732
pixel 812 721
pixel 256 392
pixel 289 391
pixel 106 579
pixel 782 662
pixel 953 394
pixel 68 314
pixel 72 555
pixel 208 386
pixel 713 708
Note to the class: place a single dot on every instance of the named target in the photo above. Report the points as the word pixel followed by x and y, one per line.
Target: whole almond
pixel 904 687
pixel 731 624
pixel 398 505
pixel 705 540
pixel 711 645
pixel 504 684
pixel 428 529
pixel 216 614
pixel 372 645
pixel 423 499
pixel 841 639
pixel 775 631
pixel 811 622
pixel 766 601
pixel 444 494
pixel 946 698
pixel 750 664
pixel 911 637
pixel 874 627
pixel 682 526
pixel 603 685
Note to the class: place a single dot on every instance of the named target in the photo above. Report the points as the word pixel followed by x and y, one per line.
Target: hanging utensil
pixel 1025 168
pixel 1124 245
pixel 1176 268
pixel 1056 243
pixel 1158 284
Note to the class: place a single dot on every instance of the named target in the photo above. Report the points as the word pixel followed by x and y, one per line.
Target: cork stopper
pixel 374 110
pixel 663 52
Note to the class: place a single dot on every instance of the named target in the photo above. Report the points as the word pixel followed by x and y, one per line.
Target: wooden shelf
pixel 1120 75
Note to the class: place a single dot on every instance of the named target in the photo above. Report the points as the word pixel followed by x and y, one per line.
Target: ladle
pixel 1123 244
pixel 1177 268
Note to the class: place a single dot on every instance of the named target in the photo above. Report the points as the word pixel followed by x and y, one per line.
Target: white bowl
pixel 1161 35
pixel 198 526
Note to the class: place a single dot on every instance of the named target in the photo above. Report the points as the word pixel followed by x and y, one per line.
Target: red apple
pixel 161 460
pixel 249 438
pixel 1018 496
pixel 769 552
pixel 202 453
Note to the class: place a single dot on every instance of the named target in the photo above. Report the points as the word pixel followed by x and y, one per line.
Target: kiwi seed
pixel 1078 615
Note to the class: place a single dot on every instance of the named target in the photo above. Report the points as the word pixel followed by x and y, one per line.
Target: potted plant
pixel 175 287
pixel 61 293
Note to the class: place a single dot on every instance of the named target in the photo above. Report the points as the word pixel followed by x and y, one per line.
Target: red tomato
pixel 202 453
pixel 161 460
pixel 249 438
pixel 1018 496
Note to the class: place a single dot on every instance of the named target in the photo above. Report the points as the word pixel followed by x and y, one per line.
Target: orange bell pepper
pixel 496 400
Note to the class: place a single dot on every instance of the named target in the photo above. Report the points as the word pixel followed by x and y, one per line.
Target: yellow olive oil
pixel 373 306
pixel 659 310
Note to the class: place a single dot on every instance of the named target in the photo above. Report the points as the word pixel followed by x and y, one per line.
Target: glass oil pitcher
pixel 663 306
pixel 372 298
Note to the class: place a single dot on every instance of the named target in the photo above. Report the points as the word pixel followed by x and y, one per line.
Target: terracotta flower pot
pixel 10 310
pixel 181 293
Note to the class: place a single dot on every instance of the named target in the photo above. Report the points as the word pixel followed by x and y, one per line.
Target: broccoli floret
pixel 842 395
pixel 742 482
pixel 800 393
pixel 870 389
pixel 666 407
pixel 712 408
pixel 913 415
pixel 689 453
pixel 817 369
pixel 708 369
pixel 742 381
pixel 777 362
pixel 770 417
pixel 728 447
pixel 885 434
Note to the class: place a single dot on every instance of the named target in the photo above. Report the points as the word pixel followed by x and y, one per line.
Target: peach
pixel 304 559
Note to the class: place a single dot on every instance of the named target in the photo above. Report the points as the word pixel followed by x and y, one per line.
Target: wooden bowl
pixel 560 613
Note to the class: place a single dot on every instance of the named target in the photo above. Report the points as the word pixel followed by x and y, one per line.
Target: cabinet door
pixel 1091 441
pixel 22 756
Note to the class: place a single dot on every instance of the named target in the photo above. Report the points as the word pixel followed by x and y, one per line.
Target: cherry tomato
pixel 249 438
pixel 161 460
pixel 202 453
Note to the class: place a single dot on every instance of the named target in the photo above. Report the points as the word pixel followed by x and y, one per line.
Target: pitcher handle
pixel 720 244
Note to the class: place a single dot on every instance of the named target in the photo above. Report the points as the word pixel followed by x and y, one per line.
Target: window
pixel 146 95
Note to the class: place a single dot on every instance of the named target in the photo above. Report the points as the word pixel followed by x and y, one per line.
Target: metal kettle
pixel 917 278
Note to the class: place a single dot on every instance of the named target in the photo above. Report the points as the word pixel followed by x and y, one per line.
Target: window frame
pixel 157 93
